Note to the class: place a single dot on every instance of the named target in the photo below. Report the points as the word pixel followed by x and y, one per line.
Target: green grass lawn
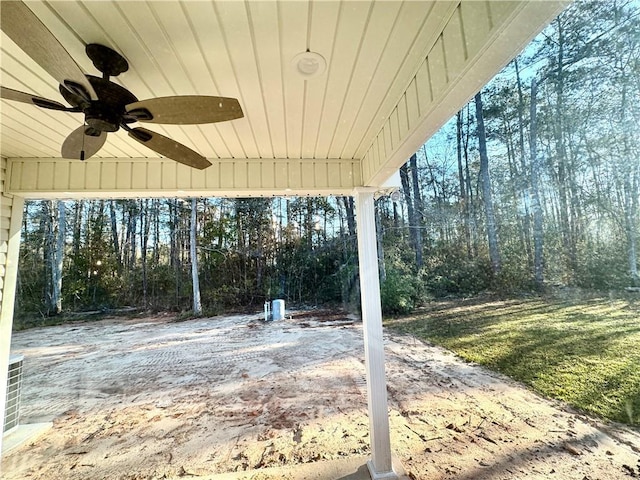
pixel 586 353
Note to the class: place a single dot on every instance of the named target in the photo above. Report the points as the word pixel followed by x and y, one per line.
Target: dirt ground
pixel 153 398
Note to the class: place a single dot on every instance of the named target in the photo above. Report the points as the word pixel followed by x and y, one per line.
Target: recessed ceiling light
pixel 309 64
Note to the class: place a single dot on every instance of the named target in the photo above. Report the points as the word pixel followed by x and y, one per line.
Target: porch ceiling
pixel 395 72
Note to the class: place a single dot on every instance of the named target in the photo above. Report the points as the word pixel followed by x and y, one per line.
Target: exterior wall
pixel 6 210
pixel 475 35
pixel 10 222
pixel 61 178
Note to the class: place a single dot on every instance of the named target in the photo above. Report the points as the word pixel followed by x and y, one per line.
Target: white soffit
pixel 374 51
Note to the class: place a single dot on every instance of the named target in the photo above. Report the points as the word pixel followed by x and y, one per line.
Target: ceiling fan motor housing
pixel 101 119
pixel 108 112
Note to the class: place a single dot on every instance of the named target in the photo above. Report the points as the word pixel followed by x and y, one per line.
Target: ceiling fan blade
pixel 185 110
pixel 17 96
pixel 169 148
pixel 81 144
pixel 31 35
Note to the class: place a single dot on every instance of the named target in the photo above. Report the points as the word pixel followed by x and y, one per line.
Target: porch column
pixel 10 224
pixel 380 466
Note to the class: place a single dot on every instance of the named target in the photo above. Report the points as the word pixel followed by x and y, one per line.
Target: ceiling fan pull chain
pixel 82 149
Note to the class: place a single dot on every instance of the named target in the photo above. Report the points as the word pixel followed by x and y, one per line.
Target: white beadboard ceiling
pixel 244 49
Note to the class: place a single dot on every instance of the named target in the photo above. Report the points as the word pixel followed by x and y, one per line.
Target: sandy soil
pixel 153 398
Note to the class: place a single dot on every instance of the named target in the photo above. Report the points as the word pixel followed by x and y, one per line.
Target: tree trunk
pixel 382 271
pixel 57 231
pixel 156 232
pixel 417 209
pixel 77 228
pixel 463 192
pixel 114 234
pixel 464 204
pixel 197 305
pixel 308 221
pixel 566 187
pixel 134 212
pixel 406 188
pixel 173 232
pixel 145 224
pixel 526 222
pixel 351 217
pixel 349 276
pixel 630 230
pixel 492 233
pixel 538 233
pixel 471 219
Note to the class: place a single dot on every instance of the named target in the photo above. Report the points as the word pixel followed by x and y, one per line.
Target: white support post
pixel 380 465
pixel 8 275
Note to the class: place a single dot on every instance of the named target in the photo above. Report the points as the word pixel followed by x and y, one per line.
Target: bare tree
pixel 56 253
pixel 536 206
pixel 492 230
pixel 197 304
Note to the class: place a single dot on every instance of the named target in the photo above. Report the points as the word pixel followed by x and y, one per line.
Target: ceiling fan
pixel 106 106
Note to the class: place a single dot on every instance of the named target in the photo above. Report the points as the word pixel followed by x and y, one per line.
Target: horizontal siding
pixel 44 178
pixel 5 224
pixel 10 223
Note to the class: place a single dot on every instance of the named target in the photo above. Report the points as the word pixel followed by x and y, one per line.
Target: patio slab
pixel 22 434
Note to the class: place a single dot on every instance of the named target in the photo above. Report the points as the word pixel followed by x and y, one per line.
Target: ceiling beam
pixel 149 177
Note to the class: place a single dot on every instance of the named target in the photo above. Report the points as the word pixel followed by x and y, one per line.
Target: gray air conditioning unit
pixel 14 385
